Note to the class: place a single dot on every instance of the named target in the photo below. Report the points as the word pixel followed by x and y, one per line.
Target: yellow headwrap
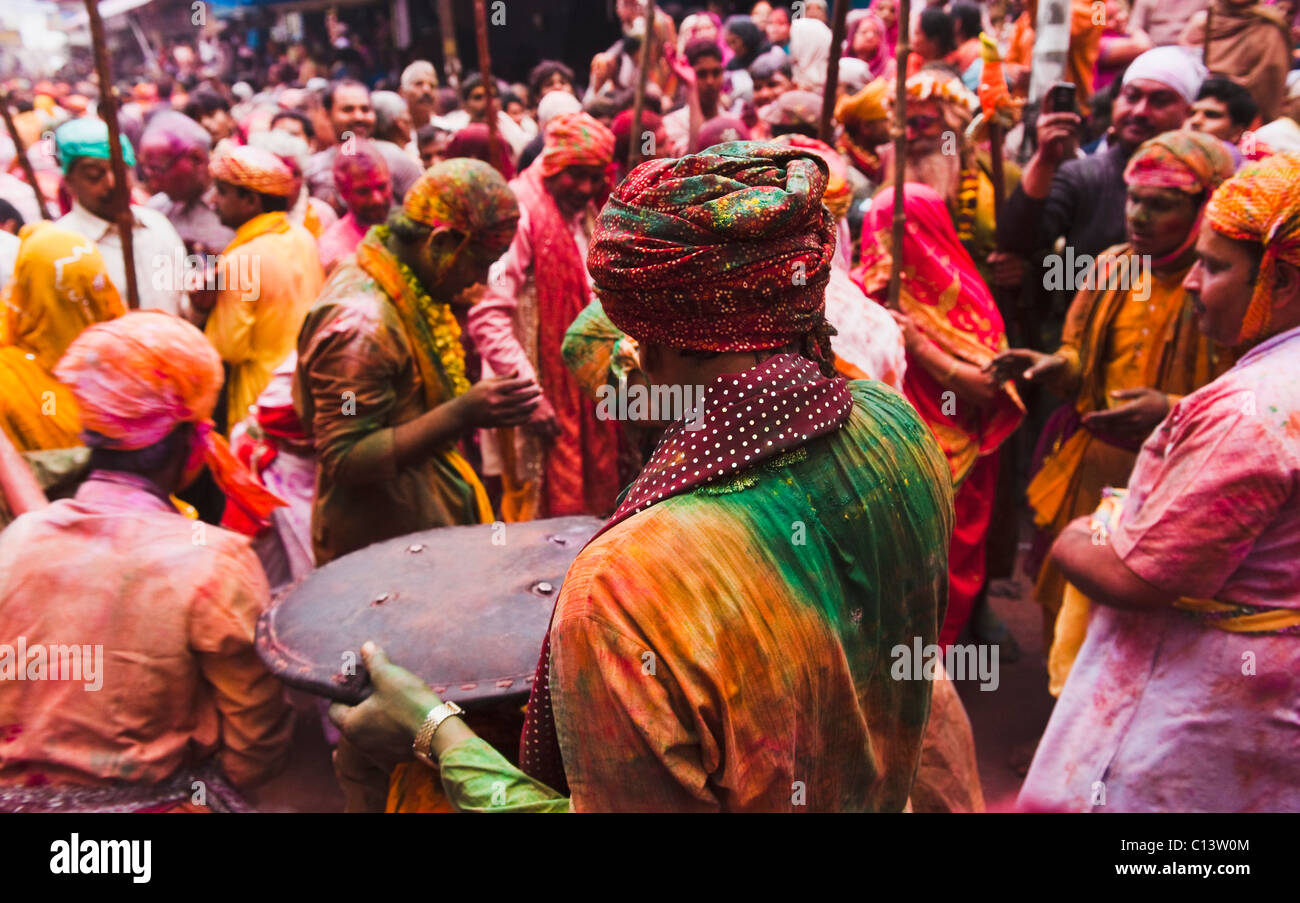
pixel 867 105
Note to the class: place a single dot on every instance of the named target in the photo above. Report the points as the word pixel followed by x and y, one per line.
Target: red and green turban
pixel 725 250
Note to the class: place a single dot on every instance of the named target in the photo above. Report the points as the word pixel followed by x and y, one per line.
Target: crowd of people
pixel 361 313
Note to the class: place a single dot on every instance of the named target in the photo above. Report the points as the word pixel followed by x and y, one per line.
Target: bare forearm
pixel 1097 571
pixel 1036 179
pixel 417 439
pixel 965 379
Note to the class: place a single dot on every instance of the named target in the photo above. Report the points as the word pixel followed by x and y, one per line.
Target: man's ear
pixel 1286 286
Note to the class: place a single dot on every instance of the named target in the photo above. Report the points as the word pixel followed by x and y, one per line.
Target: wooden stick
pixel 833 69
pixel 900 154
pixel 21 491
pixel 1205 51
pixel 489 83
pixel 25 163
pixel 997 173
pixel 121 190
pixel 450 51
pixel 634 139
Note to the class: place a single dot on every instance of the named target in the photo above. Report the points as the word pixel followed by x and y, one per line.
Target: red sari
pixel 944 295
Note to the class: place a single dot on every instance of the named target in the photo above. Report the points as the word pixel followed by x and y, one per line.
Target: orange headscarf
pixel 257 170
pixel 1261 203
pixel 140 376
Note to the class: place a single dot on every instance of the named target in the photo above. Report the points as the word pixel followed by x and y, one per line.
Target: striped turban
pixel 1261 204
pixel 576 139
pixel 257 170
pixel 469 196
pixel 725 250
pixel 1191 162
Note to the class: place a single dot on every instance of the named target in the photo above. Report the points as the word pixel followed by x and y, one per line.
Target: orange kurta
pixel 273 275
pixel 172 606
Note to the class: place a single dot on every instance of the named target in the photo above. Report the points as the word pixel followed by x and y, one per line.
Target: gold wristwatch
pixel 423 745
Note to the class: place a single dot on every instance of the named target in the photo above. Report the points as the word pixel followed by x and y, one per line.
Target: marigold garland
pixel 967 198
pixel 441 321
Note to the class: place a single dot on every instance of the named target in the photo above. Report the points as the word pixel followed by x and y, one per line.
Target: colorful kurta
pixel 536 291
pixel 60 286
pixel 1113 339
pixel 729 648
pixel 272 278
pixel 172 607
pixel 1163 711
pixel 340 240
pixel 359 377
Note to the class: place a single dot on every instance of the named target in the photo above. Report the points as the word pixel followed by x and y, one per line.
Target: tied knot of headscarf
pixel 725 250
pixel 138 377
pixel 576 139
pixel 1261 203
pixel 1191 162
pixel 469 196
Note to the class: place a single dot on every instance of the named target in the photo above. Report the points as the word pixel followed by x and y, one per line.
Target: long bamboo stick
pixel 899 129
pixel 833 69
pixel 489 83
pixel 638 105
pixel 21 150
pixel 121 190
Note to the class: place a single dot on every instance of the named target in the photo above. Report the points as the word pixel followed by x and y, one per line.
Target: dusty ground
pixel 1009 720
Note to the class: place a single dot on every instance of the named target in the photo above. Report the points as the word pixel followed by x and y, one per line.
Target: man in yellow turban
pixel 180 696
pixel 381 388
pixel 268 276
pixel 1184 695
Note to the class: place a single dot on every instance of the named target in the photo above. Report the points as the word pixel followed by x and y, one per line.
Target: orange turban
pixel 576 139
pixel 257 170
pixel 1261 203
pixel 140 376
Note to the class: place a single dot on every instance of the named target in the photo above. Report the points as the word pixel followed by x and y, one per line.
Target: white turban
pixel 556 103
pixel 1173 66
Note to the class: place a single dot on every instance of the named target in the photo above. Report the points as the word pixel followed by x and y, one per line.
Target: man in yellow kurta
pixel 60 287
pixel 1130 348
pixel 269 275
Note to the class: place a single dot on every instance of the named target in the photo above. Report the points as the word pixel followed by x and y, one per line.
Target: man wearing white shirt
pixel 82 148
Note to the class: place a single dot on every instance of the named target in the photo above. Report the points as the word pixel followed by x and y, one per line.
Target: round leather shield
pixel 465 608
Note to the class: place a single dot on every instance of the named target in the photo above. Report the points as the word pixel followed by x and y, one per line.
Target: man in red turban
pixel 739 636
pixel 564 460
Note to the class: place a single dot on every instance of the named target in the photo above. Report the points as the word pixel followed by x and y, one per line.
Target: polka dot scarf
pixel 745 418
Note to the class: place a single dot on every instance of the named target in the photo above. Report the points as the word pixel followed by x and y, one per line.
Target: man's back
pixel 730 648
pixel 167 607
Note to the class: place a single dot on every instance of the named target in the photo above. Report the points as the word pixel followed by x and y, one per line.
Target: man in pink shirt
pixel 363 181
pixel 1185 693
pixel 128 678
pixel 565 459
